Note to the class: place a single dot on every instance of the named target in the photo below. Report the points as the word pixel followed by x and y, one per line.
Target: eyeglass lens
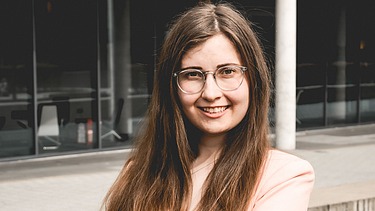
pixel 227 78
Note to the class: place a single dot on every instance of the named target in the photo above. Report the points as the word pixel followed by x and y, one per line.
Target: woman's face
pixel 214 111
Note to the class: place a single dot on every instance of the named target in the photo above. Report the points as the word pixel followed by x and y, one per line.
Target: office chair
pixel 49 127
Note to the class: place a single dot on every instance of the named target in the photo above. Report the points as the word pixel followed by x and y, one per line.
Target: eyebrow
pixel 217 67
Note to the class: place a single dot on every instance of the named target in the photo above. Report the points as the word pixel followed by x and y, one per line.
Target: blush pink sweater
pixel 285 185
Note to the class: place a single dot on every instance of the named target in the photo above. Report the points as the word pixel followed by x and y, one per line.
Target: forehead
pixel 215 51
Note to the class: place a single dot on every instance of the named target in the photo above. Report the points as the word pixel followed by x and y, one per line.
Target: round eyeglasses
pixel 227 78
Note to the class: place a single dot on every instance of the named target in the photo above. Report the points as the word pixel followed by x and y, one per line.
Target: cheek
pixel 243 100
pixel 186 101
pixel 243 95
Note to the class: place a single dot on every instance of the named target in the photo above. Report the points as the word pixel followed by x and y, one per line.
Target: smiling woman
pixel 215 110
pixel 204 144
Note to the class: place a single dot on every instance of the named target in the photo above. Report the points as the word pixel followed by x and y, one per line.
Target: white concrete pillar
pixel 338 111
pixel 123 67
pixel 285 110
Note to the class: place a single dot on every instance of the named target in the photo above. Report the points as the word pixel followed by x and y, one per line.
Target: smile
pixel 214 110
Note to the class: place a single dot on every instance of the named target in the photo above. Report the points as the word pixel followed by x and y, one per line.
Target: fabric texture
pixel 285 185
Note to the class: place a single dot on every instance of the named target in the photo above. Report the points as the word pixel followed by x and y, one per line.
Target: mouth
pixel 214 110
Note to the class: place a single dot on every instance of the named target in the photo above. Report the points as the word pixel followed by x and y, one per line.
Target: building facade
pixel 76 75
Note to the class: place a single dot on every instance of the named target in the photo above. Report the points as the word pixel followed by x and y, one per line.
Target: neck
pixel 209 148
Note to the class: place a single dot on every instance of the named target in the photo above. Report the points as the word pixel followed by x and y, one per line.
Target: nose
pixel 210 90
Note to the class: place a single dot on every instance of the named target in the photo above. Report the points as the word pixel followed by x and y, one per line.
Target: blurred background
pixel 76 75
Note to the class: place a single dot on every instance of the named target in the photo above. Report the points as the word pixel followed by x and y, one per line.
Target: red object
pixel 89 131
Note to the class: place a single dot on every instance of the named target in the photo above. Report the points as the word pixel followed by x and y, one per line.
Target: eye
pixel 228 71
pixel 191 75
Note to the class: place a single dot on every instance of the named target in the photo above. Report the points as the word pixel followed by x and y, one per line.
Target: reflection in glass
pixel 310 95
pixel 342 83
pixel 367 103
pixel 342 87
pixel 66 56
pixel 16 110
pixel 124 71
pixel 342 94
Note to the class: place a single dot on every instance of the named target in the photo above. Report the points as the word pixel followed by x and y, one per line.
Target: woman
pixel 204 145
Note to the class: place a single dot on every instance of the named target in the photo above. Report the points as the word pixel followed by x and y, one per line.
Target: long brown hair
pixel 157 176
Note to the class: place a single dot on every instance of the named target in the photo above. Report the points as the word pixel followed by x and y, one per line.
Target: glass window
pixel 342 72
pixel 310 95
pixel 128 51
pixel 335 37
pixel 313 48
pixel 16 84
pixel 363 33
pixel 127 45
pixel 66 67
pixel 342 93
pixel 367 92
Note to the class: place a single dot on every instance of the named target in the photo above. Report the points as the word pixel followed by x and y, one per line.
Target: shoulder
pixel 285 177
pixel 282 162
pixel 281 166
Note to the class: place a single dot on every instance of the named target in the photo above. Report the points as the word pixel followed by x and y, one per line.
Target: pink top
pixel 285 185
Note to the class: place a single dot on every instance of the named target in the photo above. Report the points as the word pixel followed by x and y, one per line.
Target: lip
pixel 213 111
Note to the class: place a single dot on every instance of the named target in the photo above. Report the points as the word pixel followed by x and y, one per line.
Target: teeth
pixel 214 110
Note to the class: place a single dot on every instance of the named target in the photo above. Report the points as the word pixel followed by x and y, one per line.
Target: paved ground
pixel 343 159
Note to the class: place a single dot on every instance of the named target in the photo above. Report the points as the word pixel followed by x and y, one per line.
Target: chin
pixel 214 132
